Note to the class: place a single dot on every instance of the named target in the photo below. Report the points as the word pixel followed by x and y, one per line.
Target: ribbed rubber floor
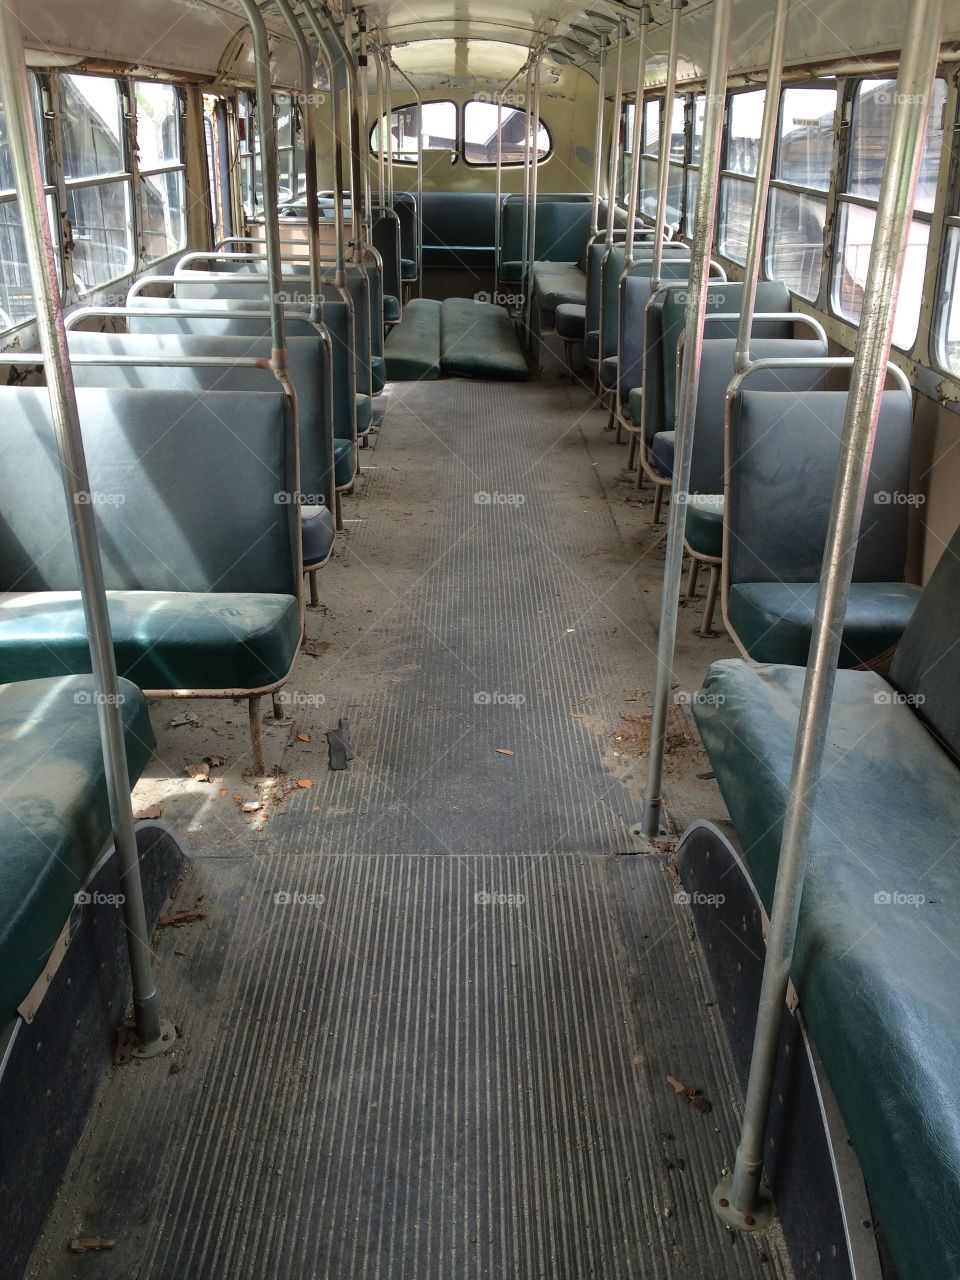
pixel 444 1052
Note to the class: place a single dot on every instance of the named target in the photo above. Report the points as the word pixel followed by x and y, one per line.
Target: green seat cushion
pixel 164 640
pixel 378 373
pixel 608 372
pixel 318 532
pixel 570 320
pixel 703 523
pixel 558 282
pixel 391 308
pixel 661 451
pixel 774 620
pixel 511 272
pixel 55 817
pixel 412 347
pixel 346 463
pixel 364 414
pixel 479 341
pixel 635 405
pixel 408 269
pixel 877 975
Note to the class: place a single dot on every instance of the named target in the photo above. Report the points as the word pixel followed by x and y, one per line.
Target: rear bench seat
pixel 877 964
pixel 55 816
pixel 412 348
pixel 458 336
pixel 200 554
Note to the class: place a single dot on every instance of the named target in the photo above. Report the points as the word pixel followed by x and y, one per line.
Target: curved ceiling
pixel 208 39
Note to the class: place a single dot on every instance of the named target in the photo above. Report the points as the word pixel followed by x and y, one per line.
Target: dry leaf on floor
pixel 198 772
pixel 694 1096
pixel 215 762
pixel 179 918
pixel 502 751
pixel 303 737
pixel 91 1244
pixel 151 811
pixel 303 783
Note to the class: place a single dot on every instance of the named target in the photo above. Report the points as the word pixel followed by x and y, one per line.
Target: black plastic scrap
pixel 338 743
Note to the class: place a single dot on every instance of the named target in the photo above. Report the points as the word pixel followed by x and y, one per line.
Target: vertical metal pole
pixel 646 17
pixel 381 180
pixel 308 112
pixel 687 405
pixel 524 260
pixel 389 96
pixel 598 135
pixel 419 97
pixel 268 161
pixel 498 240
pixel 761 190
pixel 153 1034
pixel 614 170
pixel 666 137
pixel 533 132
pixel 364 77
pixel 738 1197
pixel 329 55
pixel 359 204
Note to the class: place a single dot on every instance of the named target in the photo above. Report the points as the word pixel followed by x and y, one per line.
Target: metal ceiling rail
pixel 153 1034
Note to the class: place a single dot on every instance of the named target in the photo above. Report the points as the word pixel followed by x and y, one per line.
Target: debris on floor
pixel 91 1244
pixel 338 742
pixel 188 717
pixel 504 751
pixel 198 772
pixel 177 919
pixel 150 812
pixel 694 1096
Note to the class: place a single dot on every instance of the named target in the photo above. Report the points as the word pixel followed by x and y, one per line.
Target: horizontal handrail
pixel 798 317
pixel 242 362
pixel 194 313
pixel 812 362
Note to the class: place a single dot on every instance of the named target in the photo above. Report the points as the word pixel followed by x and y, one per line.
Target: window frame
pixel 729 177
pixel 159 170
pixel 849 107
pixel 947 288
pixel 460 148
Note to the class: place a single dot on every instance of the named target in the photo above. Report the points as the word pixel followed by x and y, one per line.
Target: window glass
pixel 805 150
pixel 736 207
pixel 949 340
pixel 92 126
pixel 163 197
pixel 795 240
pixel 693 186
pixel 438 129
pixel 102 220
pixel 158 125
pixel 480 134
pixel 743 131
pixel 870 135
pixel 678 138
pixel 699 112
pixel 651 127
pixel 857 228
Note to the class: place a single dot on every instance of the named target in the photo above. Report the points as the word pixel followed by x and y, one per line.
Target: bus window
pixel 744 120
pixel 480 134
pixel 16 293
pixel 99 185
pixel 438 130
pixel 801 178
pixel 873 105
pixel 163 192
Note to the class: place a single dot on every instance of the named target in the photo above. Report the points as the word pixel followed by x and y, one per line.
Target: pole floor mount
pixel 129 1047
pixel 760 1218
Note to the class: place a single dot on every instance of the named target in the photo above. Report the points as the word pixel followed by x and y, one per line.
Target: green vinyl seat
pixel 569 321
pixel 555 283
pixel 877 963
pixel 478 340
pixel 391 309
pixel 412 348
pixel 662 452
pixel 773 620
pixel 200 562
pixel 608 373
pixel 55 818
pixel 703 524
pixel 783 448
pixel 635 405
pixel 345 455
pixel 364 414
pixel 164 640
pixel 378 373
pixel 408 270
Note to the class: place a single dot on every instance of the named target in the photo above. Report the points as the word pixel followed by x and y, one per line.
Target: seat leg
pixel 364 443
pixel 632 452
pixel 256 735
pixel 658 503
pixel 693 578
pixel 277 705
pixel 713 589
pixel 611 420
pixel 338 511
pixel 314 593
